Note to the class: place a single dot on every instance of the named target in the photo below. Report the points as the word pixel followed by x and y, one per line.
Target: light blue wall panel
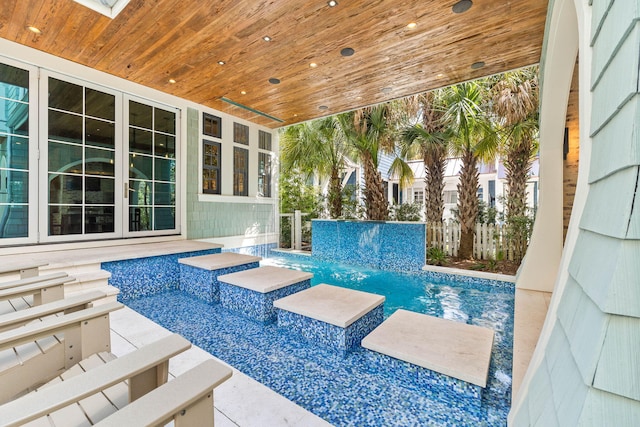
pixel 606 409
pixel 614 262
pixel 599 13
pixel 619 81
pixel 617 146
pixel 619 366
pixel 612 33
pixel 609 204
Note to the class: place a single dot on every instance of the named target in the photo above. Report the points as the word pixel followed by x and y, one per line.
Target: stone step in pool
pixel 199 274
pixel 252 292
pixel 454 354
pixel 335 317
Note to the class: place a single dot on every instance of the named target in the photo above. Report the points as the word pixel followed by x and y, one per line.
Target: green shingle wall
pixel 590 371
pixel 213 219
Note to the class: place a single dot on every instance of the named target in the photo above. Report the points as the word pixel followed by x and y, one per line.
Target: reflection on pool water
pixel 362 388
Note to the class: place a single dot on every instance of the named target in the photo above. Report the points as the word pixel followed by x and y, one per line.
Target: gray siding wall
pixel 590 374
pixel 219 219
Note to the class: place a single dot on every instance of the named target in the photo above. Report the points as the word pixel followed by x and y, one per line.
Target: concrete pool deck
pixel 530 311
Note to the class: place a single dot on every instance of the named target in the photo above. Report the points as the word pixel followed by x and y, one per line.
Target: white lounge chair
pixel 34 353
pixel 96 394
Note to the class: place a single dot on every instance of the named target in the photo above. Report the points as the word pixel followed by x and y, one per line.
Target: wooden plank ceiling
pixel 153 41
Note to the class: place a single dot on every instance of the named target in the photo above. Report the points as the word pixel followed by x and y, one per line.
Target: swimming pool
pixel 358 389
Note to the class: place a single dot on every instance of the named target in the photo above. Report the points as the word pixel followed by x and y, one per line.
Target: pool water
pixel 363 388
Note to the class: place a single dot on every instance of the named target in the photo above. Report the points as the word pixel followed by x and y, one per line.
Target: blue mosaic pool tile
pixel 148 275
pixel 384 245
pixel 203 284
pixel 439 277
pixel 333 337
pixel 257 305
pixel 345 390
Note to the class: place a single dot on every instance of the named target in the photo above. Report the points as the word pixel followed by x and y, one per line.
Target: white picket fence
pixel 489 240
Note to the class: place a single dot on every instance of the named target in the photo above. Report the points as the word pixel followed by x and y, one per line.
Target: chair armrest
pixel 67 305
pixel 44 291
pixel 49 327
pixel 25 269
pixel 30 280
pixel 59 395
pixel 181 398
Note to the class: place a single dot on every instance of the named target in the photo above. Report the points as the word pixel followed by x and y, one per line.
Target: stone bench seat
pixel 335 317
pixel 252 292
pixel 199 274
pixel 454 349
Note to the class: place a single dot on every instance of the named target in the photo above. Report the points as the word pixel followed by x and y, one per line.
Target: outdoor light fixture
pixel 412 25
pixel 33 29
pixel 172 81
pixel 332 3
pixel 221 62
pixel 243 92
pixel 462 6
pixel 274 81
pixel 477 65
pixel 386 90
pixel 266 38
pixel 313 65
pixel 323 107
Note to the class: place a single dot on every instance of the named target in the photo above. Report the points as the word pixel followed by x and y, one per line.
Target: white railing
pixel 296 230
pixel 490 241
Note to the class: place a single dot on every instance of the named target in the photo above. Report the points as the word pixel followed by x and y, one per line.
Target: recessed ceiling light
pixel 221 62
pixel 313 65
pixel 295 115
pixel 412 25
pixel 386 90
pixel 243 92
pixel 274 81
pixel 33 29
pixel 266 38
pixel 332 3
pixel 323 107
pixel 462 6
pixel 172 81
pixel 439 75
pixel 477 65
pixel 347 51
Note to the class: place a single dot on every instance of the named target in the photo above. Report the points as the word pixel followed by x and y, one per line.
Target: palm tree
pixel 515 104
pixel 474 140
pixel 369 132
pixel 316 147
pixel 428 140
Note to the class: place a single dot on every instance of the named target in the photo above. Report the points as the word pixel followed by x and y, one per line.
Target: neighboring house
pixel 492 190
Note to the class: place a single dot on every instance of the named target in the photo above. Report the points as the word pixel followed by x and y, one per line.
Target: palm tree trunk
pixel 335 194
pixel 375 204
pixel 468 203
pixel 435 164
pixel 517 167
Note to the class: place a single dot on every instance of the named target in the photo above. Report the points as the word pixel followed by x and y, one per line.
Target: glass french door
pixel 150 196
pixel 108 163
pixel 80 173
pixel 18 153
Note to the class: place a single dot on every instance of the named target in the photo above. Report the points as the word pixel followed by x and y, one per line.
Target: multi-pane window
pixel 211 125
pixel 418 196
pixel 152 168
pixel 451 197
pixel 240 171
pixel 14 152
pixel 264 140
pixel 81 159
pixel 264 174
pixel 240 133
pixel 211 167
